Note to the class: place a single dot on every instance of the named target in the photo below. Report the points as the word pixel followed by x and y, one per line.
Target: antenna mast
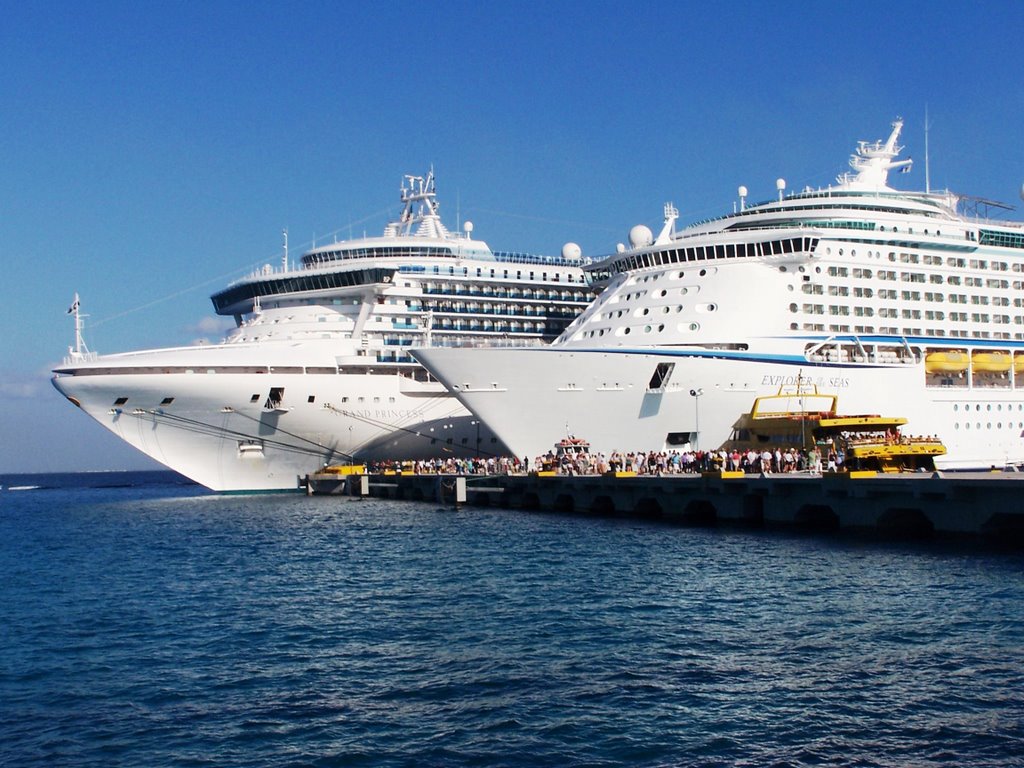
pixel 927 177
pixel 80 348
pixel 284 259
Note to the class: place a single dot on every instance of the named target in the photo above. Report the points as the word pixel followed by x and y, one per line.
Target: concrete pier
pixel 988 506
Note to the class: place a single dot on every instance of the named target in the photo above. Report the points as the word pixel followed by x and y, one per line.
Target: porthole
pixel 793 307
pixel 703 272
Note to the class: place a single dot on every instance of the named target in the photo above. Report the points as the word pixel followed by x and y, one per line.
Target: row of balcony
pixel 501 293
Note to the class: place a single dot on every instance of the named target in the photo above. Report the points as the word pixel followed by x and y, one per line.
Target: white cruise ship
pixel 318 369
pixel 908 303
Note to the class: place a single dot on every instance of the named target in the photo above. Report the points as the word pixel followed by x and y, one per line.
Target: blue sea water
pixel 147 622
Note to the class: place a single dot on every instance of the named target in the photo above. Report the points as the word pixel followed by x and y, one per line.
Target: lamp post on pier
pixel 696 393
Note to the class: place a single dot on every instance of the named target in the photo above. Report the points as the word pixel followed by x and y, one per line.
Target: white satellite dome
pixel 640 235
pixel 571 252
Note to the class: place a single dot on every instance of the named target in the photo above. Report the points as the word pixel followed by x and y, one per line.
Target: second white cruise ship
pixel 318 368
pixel 907 302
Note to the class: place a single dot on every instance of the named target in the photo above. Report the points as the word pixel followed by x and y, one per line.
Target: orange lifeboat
pixel 949 361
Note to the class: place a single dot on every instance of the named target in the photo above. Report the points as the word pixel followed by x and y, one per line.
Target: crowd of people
pixel 775 461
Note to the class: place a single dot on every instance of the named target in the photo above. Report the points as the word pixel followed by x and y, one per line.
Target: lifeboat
pixel 990 362
pixel 951 361
pixel 1018 363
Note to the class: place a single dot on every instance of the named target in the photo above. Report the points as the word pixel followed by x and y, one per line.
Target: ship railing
pixel 530 258
pixel 80 357
pixel 491 342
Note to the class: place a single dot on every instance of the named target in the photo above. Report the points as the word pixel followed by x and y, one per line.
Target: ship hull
pixel 219 431
pixel 533 398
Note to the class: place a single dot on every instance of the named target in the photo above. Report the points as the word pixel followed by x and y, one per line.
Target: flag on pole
pixel 74 306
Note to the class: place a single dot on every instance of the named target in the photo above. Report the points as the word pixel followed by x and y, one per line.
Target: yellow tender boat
pixel 801 417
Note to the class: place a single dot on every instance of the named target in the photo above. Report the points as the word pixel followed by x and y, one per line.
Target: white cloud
pixel 209 329
pixel 211 326
pixel 18 385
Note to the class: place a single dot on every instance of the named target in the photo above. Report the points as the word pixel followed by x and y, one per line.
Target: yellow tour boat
pixel 801 417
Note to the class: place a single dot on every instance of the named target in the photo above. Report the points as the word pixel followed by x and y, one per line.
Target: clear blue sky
pixel 151 152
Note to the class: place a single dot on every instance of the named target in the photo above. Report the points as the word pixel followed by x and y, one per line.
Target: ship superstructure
pixel 318 368
pixel 907 300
